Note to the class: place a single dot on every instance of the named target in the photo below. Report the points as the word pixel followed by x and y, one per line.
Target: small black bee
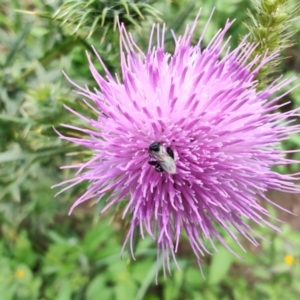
pixel 164 158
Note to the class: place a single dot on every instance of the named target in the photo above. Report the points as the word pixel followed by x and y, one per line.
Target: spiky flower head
pixel 203 105
pixel 85 17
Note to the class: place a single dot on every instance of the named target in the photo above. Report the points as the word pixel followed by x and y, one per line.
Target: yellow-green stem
pixel 270 29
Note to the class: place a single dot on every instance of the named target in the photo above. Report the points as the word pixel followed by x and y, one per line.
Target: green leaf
pixel 193 277
pixel 125 289
pixel 97 289
pixel 12 155
pixel 147 280
pixel 65 291
pixel 17 45
pixel 173 288
pixel 57 238
pixel 220 266
pixel 262 272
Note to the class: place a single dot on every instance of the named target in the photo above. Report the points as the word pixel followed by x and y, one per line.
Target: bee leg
pixel 158 168
pixel 170 152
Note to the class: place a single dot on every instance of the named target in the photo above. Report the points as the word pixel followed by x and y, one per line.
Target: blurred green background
pixel 46 254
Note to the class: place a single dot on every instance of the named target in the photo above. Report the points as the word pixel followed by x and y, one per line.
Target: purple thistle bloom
pixel 224 134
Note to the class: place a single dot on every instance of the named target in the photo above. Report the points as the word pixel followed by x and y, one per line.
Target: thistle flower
pixel 84 17
pixel 202 107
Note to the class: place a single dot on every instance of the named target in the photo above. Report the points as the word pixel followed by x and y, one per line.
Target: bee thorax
pixel 163 158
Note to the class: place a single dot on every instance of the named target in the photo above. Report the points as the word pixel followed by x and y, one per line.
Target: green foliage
pixel 87 266
pixel 44 254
